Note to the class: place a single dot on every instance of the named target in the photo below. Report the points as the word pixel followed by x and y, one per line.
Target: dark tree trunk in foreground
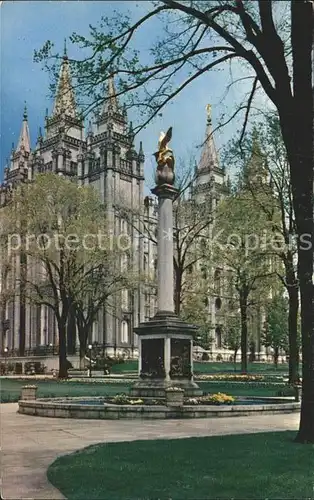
pixel 63 369
pixel 84 328
pixel 298 135
pixel 294 357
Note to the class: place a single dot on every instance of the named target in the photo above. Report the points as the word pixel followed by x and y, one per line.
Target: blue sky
pixel 26 25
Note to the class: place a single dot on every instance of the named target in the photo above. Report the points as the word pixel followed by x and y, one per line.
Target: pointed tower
pixel 255 171
pixel 24 144
pixel 65 114
pixel 64 129
pixel 20 155
pixel 65 99
pixel 209 176
pixel 114 167
pixel 112 116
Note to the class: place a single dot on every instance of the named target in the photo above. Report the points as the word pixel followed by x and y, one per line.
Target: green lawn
pixel 215 368
pixel 10 389
pixel 248 466
pixel 127 366
pixel 254 368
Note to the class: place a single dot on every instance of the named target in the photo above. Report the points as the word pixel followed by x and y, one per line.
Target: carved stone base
pixel 165 356
pixel 156 388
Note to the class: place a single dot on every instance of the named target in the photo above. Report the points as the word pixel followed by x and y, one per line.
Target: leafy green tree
pixel 194 308
pixel 240 242
pixel 275 334
pixel 64 236
pixel 231 337
pixel 269 184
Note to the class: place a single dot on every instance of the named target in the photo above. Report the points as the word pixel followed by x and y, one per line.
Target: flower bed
pixel 211 399
pixel 230 377
pixel 124 399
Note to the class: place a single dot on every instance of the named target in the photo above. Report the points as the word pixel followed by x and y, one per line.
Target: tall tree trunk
pixel 235 360
pixel 294 357
pixel 83 328
pixel 71 332
pixel 82 356
pixel 244 332
pixel 276 356
pixel 296 120
pixel 63 369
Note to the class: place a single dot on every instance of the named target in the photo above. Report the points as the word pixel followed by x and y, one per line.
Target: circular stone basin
pixel 238 401
pixel 100 408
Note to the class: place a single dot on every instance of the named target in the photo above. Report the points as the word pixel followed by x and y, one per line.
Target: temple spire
pixel 24 143
pixel 255 169
pixel 111 102
pixel 65 100
pixel 209 157
pixel 40 136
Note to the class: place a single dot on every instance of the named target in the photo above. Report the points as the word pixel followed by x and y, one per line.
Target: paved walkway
pixel 29 444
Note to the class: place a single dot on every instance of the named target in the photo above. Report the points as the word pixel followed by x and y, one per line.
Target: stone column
pixel 42 324
pixel 166 194
pixel 167 356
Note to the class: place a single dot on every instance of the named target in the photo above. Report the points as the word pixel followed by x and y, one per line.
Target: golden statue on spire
pixel 165 160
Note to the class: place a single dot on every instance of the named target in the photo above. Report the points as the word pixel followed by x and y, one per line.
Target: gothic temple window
pixel 204 272
pixel 124 332
pixel 217 281
pixel 218 303
pixel 73 168
pixel 124 226
pixel 92 164
pixel 125 299
pixel 124 262
pixel 147 313
pixel 218 337
pixel 145 263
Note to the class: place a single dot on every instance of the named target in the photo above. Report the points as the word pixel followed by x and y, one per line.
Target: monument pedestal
pixel 165 356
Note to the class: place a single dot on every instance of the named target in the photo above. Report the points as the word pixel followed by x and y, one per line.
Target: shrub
pixel 33 368
pixel 10 367
pixel 69 365
pixel 107 363
pixel 120 399
pixel 205 356
pixel 289 390
pixel 18 368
